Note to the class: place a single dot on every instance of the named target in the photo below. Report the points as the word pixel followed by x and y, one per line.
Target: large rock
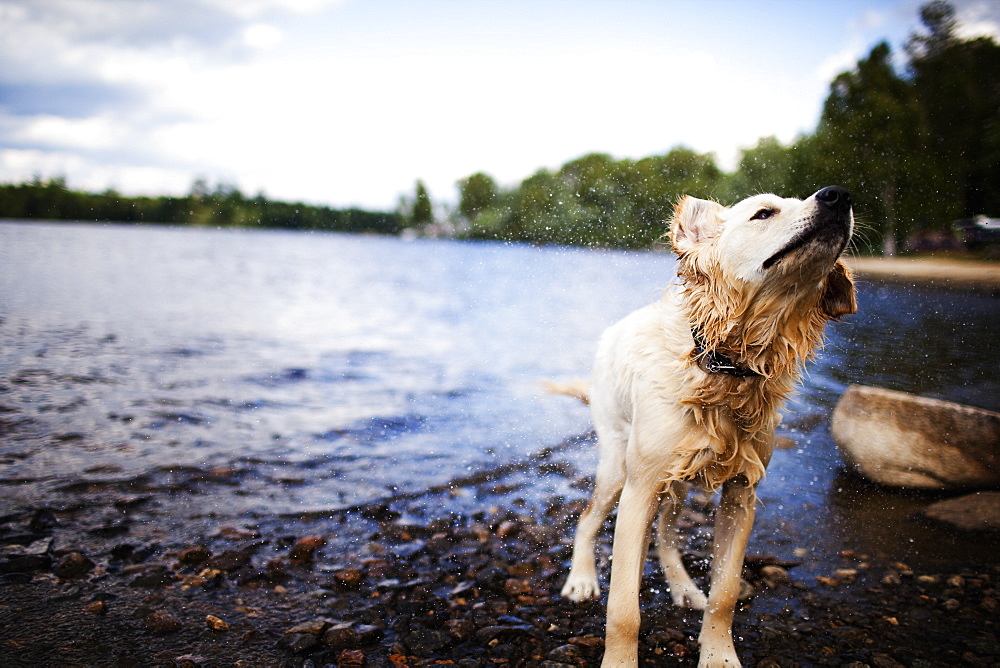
pixel 902 440
pixel 972 512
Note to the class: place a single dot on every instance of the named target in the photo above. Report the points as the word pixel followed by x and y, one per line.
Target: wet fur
pixel 662 422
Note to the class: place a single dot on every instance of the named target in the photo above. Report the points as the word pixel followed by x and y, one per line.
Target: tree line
pixel 221 206
pixel 918 145
pixel 919 149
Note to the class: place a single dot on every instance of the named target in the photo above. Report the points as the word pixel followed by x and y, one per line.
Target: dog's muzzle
pixel 831 225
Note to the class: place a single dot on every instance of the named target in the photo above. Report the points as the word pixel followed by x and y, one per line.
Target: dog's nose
pixel 834 197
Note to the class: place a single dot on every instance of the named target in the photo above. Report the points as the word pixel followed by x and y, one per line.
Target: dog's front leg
pixel 581 584
pixel 636 509
pixel 733 522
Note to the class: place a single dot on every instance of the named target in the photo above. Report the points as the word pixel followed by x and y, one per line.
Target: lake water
pixel 315 371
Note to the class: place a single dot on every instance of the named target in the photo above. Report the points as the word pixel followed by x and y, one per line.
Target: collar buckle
pixel 711 361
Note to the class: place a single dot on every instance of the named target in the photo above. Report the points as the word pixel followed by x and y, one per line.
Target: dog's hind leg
pixel 581 584
pixel 683 590
pixel 733 522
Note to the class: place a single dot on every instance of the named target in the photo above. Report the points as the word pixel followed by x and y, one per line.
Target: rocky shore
pixel 466 575
pixel 937 272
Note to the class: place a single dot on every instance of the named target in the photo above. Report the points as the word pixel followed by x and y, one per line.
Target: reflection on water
pixel 267 372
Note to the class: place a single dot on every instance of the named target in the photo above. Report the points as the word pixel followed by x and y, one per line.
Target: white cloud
pixel 262 36
pixel 94 133
pixel 978 18
pixel 334 102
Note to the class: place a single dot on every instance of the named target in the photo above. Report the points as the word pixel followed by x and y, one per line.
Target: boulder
pixel 902 440
pixel 972 512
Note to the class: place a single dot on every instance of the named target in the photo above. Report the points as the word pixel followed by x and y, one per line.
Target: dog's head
pixel 763 277
pixel 768 246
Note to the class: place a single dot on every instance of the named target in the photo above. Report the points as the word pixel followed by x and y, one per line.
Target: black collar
pixel 711 361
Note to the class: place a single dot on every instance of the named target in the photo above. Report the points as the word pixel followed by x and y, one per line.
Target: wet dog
pixel 687 390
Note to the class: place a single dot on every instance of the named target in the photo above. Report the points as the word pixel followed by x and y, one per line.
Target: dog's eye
pixel 763 214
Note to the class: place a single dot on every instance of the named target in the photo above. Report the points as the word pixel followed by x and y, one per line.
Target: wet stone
pixel 461 629
pixel 566 655
pixel 229 560
pixel 488 634
pixel 96 608
pixel 350 657
pixel 315 626
pixel 305 548
pixel 348 577
pixel 513 587
pixel 349 634
pixel 233 533
pixel 162 622
pixel 880 660
pixel 196 554
pixel 8 579
pixel 426 641
pixel 379 513
pixel 155 577
pixel 774 576
pixel 25 563
pixel 216 623
pixel 73 565
pixel 299 643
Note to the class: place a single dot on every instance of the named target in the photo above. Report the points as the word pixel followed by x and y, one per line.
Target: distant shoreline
pixel 948 273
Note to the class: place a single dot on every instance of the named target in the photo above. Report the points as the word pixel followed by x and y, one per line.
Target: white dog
pixel 688 389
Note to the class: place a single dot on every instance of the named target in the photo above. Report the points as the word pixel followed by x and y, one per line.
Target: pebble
pixel 315 626
pixel 162 622
pixel 513 586
pixel 452 590
pixel 304 549
pixel 348 577
pixel 565 654
pixel 232 533
pixel 229 560
pixel 73 565
pixel 774 576
pixel 349 634
pixel 350 657
pixel 194 555
pixel 299 643
pixel 154 577
pixel 216 623
pixel 96 608
pixel 891 579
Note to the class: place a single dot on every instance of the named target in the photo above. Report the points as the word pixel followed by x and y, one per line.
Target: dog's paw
pixel 688 597
pixel 718 653
pixel 580 588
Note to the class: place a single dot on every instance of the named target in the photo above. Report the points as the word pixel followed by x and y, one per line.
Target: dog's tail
pixel 579 389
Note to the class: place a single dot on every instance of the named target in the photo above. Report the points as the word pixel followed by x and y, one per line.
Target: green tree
pixel 476 194
pixel 869 136
pixel 423 211
pixel 768 167
pixel 958 85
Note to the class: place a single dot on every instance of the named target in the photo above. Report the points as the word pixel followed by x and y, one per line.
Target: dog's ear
pixel 695 220
pixel 838 293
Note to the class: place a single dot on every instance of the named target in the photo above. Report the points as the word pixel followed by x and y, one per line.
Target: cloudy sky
pixel 348 102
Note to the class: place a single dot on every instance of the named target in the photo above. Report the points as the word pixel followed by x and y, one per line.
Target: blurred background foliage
pixel 914 136
pixel 919 149
pixel 221 206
